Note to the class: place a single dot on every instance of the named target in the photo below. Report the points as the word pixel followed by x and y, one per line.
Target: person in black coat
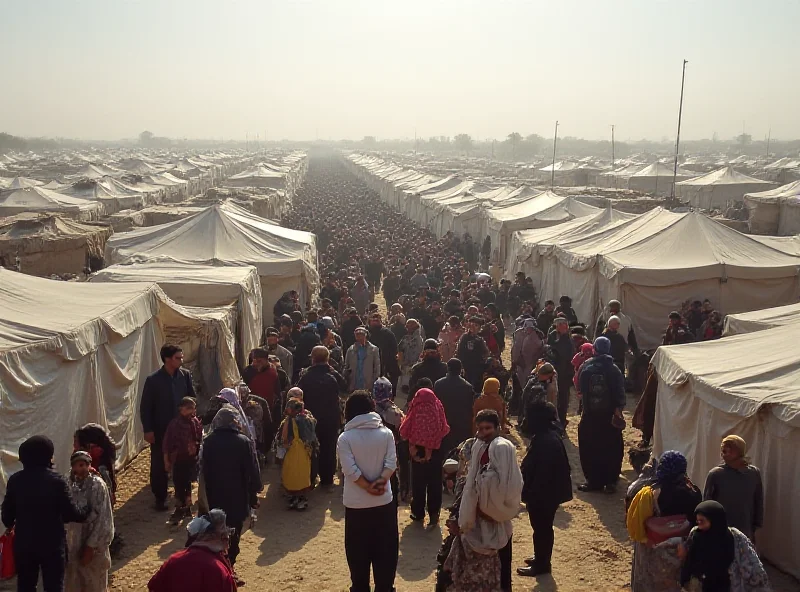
pixel 547 482
pixel 36 505
pixel 321 386
pixel 386 342
pixel 430 367
pixel 308 340
pixel 163 390
pixel 348 329
pixel 457 397
pixel 230 473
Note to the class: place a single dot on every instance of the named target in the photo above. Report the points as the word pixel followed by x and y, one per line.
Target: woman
pixel 88 556
pixel 721 558
pixel 409 349
pixel 392 417
pixel 424 426
pixel 657 568
pixel 490 399
pixel 299 438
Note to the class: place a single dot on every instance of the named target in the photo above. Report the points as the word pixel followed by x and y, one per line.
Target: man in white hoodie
pixel 371 538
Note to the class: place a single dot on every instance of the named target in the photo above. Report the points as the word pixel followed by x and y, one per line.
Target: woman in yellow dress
pixel 299 439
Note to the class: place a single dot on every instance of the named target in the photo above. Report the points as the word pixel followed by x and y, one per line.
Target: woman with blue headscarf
pixel 657 567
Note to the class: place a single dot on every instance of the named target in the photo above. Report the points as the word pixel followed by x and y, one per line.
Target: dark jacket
pixel 473 352
pixel 569 313
pixel 545 320
pixel 321 396
pixel 230 473
pixel 546 471
pixel 618 345
pixel 457 397
pixel 348 332
pixel 615 383
pixel 431 367
pixel 309 338
pixel 386 342
pixel 562 350
pixel 37 504
pixel 160 399
pixel 399 331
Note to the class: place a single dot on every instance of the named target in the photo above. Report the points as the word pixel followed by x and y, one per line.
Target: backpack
pixel 599 393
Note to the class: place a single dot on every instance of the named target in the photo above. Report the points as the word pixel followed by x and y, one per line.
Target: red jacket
pixel 264 384
pixel 196 569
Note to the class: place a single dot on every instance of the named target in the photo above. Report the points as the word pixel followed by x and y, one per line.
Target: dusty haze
pixel 345 69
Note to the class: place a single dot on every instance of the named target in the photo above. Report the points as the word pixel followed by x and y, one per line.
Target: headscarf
pixel 295 393
pixel 587 349
pixel 382 391
pixel 739 444
pixel 37 453
pixel 711 551
pixel 491 387
pixel 227 417
pixel 80 455
pixel 602 346
pixel 425 423
pixel 671 467
pixel 206 531
pixel 306 424
pixel 539 417
pixel 613 318
pixel 232 397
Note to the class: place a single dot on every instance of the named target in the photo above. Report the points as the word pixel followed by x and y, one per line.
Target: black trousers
pixel 327 455
pixel 403 468
pixel 183 473
pixel 158 474
pixel 506 556
pixel 564 385
pixel 426 486
pixel 371 541
pixel 541 517
pixel 233 542
pixel 52 564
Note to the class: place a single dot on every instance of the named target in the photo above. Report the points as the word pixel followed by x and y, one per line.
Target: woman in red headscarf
pixel 424 426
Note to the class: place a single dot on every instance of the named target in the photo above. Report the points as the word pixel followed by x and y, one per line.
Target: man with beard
pixel 276 349
pixel 430 367
pixel 386 342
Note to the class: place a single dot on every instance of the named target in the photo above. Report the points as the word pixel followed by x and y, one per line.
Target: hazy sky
pixel 345 68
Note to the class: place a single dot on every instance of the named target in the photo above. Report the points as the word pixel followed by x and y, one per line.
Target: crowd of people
pixel 405 406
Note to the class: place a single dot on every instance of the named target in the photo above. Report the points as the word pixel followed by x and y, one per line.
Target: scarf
pixel 361 355
pixel 671 467
pixel 230 396
pixel 382 393
pixel 712 551
pixel 306 424
pixel 425 423
pixel 496 489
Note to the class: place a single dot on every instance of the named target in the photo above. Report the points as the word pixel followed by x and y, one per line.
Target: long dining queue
pixel 417 377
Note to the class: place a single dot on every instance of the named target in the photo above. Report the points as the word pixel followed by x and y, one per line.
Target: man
pixel 485 292
pixel 163 391
pixel 348 328
pixel 526 350
pixel 360 294
pixel 202 566
pixel 565 307
pixel 736 484
pixel 453 306
pixel 309 338
pixel 677 333
pixel 619 346
pixel 371 538
pixel 37 504
pixel 419 279
pixel 261 377
pixel 695 318
pixel 545 318
pixel 547 483
pixel 230 474
pixel 430 367
pixel 321 386
pixel 449 336
pixel 362 363
pixel 473 352
pixel 421 312
pixel 391 286
pixel 562 350
pixel 625 324
pixel 386 342
pixel 457 396
pixel 276 349
pixel 600 439
pixel 285 337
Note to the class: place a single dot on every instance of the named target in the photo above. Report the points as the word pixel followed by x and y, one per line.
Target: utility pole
pixel 769 137
pixel 678 139
pixel 493 141
pixel 553 167
pixel 613 159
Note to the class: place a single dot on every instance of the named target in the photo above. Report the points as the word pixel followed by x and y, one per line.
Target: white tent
pixel 73 353
pixel 758 320
pixel 203 286
pixel 776 211
pixel 19 183
pixel 227 235
pixel 657 178
pixel 745 385
pixel 258 176
pixel 39 199
pixel 718 188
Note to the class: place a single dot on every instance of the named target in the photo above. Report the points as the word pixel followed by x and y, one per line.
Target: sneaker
pixel 293 502
pixel 533 571
pixel 177 516
pixel 302 504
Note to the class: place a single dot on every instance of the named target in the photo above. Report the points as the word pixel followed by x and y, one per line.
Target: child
pixel 392 417
pixel 299 438
pixel 181 447
pixel 496 370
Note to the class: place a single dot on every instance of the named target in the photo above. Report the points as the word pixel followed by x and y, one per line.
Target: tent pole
pixel 678 139
pixel 553 169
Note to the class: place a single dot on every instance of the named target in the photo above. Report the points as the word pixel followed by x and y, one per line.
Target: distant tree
pixel 146 137
pixel 368 141
pixel 744 139
pixel 463 143
pixel 514 139
pixel 533 144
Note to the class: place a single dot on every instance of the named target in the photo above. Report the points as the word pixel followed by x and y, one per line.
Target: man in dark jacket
pixel 309 339
pixel 231 476
pixel 457 397
pixel 321 386
pixel 545 318
pixel 473 352
pixel 601 446
pixel 430 367
pixel 163 390
pixel 348 329
pixel 36 505
pixel 562 349
pixel 547 483
pixel 565 307
pixel 386 342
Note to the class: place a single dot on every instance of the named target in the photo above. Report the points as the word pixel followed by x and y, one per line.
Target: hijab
pixel 671 467
pixel 382 392
pixel 231 397
pixel 711 551
pixel 739 444
pixel 425 423
pixel 37 453
pixel 491 387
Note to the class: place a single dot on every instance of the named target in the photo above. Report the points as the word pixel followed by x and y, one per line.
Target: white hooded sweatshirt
pixel 366 447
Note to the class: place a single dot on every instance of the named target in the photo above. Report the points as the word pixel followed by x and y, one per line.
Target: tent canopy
pixel 758 320
pixel 788 191
pixel 41 199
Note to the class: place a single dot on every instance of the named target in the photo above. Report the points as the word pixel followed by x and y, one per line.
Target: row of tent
pixel 461 205
pixel 745 384
pixel 654 262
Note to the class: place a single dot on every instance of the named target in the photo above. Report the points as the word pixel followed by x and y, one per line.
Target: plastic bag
pixel 8 568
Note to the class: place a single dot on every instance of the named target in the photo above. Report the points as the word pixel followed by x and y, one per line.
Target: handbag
pixel 661 528
pixel 8 568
